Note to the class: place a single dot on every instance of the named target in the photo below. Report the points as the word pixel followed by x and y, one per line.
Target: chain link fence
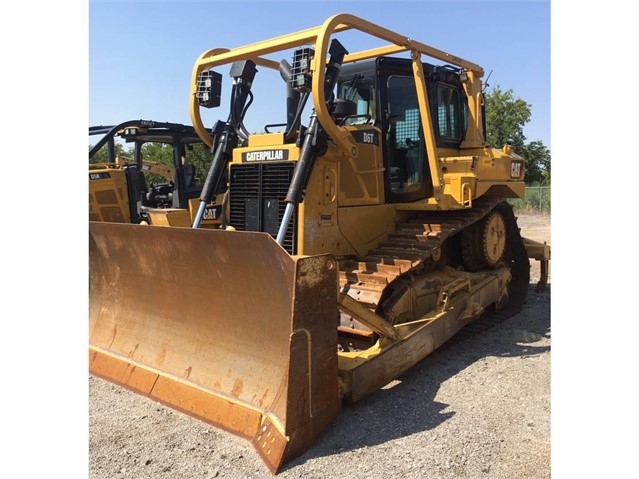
pixel 536 200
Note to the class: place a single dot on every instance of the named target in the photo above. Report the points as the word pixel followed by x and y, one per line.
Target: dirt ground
pixel 477 408
pixel 537 228
pixel 534 226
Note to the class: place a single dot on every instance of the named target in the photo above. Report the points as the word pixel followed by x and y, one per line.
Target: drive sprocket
pixel 484 242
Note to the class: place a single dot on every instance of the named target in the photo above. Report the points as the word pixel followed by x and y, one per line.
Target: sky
pixel 141 57
pixel 69 64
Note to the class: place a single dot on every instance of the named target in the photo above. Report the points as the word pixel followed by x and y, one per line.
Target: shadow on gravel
pixel 409 406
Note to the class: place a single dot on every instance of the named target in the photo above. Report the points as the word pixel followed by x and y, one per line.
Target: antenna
pixel 486 85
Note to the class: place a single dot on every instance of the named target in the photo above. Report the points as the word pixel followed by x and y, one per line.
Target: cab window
pixel 448 113
pixel 404 138
pixel 360 91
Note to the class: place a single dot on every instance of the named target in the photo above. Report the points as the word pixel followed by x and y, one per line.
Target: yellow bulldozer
pixel 130 190
pixel 368 223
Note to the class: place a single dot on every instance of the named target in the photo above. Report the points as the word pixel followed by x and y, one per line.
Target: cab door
pixel 407 176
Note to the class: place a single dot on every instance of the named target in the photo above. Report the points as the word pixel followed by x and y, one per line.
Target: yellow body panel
pixel 170 217
pixel 361 180
pixel 108 198
pixel 184 218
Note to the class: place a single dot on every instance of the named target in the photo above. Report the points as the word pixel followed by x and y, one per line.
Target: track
pixel 418 245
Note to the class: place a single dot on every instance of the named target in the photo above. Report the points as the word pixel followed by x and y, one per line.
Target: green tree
pixel 197 154
pixel 537 163
pixel 102 155
pixel 158 153
pixel 505 120
pixel 200 156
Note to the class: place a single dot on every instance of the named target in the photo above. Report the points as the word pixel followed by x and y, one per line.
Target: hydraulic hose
pixel 310 144
pixel 227 141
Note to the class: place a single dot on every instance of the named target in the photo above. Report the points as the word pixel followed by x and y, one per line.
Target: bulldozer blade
pixel 224 326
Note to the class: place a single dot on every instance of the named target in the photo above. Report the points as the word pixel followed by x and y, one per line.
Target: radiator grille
pixel 256 199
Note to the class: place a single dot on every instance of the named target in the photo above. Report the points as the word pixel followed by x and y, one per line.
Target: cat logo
pixel 211 212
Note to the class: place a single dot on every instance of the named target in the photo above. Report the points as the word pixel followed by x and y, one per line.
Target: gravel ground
pixel 479 408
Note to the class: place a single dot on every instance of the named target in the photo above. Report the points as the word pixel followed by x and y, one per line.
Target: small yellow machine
pixel 357 243
pixel 120 189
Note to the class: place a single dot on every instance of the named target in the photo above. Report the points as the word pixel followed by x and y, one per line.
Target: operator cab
pixel 154 184
pixel 383 91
